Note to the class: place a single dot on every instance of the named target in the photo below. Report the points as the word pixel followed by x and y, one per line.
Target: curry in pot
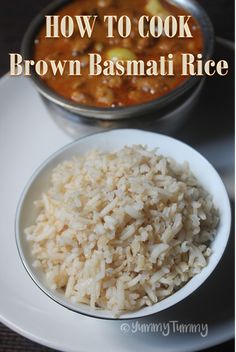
pixel 112 91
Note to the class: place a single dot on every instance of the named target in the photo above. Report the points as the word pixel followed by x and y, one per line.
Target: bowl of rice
pixel 122 224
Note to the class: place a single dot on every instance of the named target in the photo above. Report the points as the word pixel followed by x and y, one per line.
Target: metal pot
pixel 164 114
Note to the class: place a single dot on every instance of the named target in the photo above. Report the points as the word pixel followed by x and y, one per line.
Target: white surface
pixel 112 141
pixel 27 137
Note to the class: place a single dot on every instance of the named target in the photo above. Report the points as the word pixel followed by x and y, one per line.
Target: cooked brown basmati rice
pixel 122 230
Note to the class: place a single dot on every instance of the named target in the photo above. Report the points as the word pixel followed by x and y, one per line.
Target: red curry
pixel 111 91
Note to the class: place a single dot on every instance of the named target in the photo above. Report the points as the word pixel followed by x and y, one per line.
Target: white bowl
pixel 110 141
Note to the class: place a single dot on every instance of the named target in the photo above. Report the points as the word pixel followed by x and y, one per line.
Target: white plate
pixel 27 137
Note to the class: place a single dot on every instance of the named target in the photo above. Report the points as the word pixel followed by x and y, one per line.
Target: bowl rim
pixel 128 315
pixel 105 112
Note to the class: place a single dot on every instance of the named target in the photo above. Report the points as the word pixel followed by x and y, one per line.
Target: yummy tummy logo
pixel 165 329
